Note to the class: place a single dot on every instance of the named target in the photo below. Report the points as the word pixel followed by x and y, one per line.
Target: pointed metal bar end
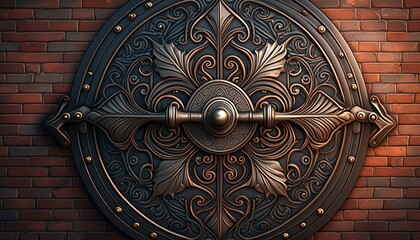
pixel 56 121
pixel 383 121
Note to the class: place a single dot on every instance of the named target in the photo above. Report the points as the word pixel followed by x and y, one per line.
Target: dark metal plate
pixel 245 119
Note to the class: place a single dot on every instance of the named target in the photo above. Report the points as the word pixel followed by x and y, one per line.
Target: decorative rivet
pixel 303 225
pixel 361 115
pixel 373 117
pixel 149 5
pixel 78 116
pixel 66 117
pixel 349 75
pixel 285 235
pixel 341 55
pixel 132 16
pixel 351 159
pixel 354 87
pixel 117 29
pixel 321 29
pixel 90 74
pixel 304 12
pixel 373 143
pixel 88 159
pixel 118 210
pixel 86 87
pixel 136 225
pixel 66 99
pixel 153 235
pixel 160 26
pixel 373 99
pixel 320 211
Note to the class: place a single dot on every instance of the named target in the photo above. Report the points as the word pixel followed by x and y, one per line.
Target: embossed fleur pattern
pixel 200 194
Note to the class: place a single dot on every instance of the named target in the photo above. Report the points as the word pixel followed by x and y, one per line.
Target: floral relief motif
pixel 279 168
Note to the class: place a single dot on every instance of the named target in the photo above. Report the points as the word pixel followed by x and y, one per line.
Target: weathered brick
pixel 376 215
pixel 408 226
pixel 67 46
pixel 371 37
pixel 63 25
pixel 394 13
pixel 16 226
pixel 29 151
pixel 83 14
pixel 399 47
pixel 35 193
pixel 388 193
pixel 370 226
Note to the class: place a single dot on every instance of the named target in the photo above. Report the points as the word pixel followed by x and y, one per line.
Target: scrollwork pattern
pixel 240 195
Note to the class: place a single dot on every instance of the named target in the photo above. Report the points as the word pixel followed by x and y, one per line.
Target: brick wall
pixel 42 42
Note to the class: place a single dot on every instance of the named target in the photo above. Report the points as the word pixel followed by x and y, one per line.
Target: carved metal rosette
pixel 218 119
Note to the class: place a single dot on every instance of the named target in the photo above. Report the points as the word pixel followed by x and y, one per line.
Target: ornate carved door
pixel 219 119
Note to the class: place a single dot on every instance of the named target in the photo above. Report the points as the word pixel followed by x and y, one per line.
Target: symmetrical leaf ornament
pixel 218 119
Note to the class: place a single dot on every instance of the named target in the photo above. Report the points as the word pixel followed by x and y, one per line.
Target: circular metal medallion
pixel 219 119
pixel 220 102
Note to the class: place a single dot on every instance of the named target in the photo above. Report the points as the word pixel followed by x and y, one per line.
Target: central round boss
pixel 220 132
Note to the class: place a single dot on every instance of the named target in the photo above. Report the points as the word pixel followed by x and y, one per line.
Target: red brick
pixel 365 57
pixel 413 150
pixel 103 4
pixel 38 4
pixel 52 182
pixel 390 151
pixel 67 25
pixel 415 13
pixel 375 161
pixel 90 26
pixel 59 226
pixel 33 68
pixel 15 37
pixel 34 57
pixel 47 36
pixel 409 129
pixel 21 98
pixel 372 25
pixel 370 226
pixel 386 215
pixel 399 46
pixel 327 235
pixel 16 14
pixel 368 47
pixel 17 140
pixel 83 14
pixel 59 67
pixel 394 13
pixel 387 3
pixel 399 26
pixel 89 226
pixel 12 68
pixel 400 98
pixel 389 57
pixel 27 172
pixel 398 140
pixel 413 215
pixel 398 78
pixel 408 88
pixel 393 171
pixel 16 226
pixel 381 67
pixel 367 14
pixel 415 140
pixel 413 26
pixel 11 108
pixel 32 26
pixel 355 215
pixel 15 182
pixel 340 13
pixel 18 203
pixel 410 67
pixel 409 226
pixel 54 204
pixel 371 204
pixel 411 3
pixel 34 215
pixel 361 193
pixel 388 193
pixel 32 47
pixel 70 193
